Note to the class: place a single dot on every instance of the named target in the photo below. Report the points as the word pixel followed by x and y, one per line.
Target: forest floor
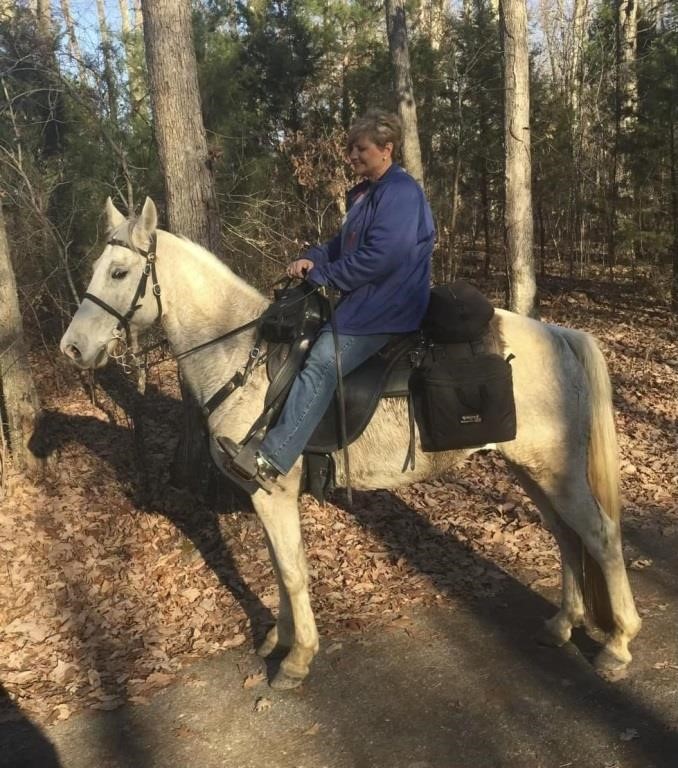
pixel 106 600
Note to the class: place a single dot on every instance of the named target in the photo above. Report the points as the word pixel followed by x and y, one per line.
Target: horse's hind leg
pixel 279 514
pixel 571 497
pixel 558 629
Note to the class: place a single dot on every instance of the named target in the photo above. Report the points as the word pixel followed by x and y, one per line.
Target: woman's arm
pixel 324 253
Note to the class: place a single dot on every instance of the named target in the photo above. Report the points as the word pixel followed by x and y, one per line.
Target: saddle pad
pixel 385 374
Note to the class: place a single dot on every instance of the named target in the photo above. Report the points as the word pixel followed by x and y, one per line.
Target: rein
pixel 238 379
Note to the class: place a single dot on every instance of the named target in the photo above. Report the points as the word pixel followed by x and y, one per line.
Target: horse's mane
pixel 202 255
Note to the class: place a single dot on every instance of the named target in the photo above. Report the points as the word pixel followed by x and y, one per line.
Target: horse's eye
pixel 118 274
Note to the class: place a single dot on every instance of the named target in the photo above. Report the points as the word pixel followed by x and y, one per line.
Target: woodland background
pixel 114 578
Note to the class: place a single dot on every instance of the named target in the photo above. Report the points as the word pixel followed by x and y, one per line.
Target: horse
pixel 564 455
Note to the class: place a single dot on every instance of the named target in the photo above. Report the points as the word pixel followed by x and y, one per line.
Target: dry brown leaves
pixel 103 602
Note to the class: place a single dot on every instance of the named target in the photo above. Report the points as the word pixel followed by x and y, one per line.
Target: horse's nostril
pixel 72 351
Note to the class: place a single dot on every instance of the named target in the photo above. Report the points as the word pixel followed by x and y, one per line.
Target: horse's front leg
pixel 295 628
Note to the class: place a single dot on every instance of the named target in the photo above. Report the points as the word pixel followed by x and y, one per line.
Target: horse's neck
pixel 202 299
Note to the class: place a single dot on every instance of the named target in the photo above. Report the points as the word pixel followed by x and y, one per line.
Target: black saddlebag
pixel 463 402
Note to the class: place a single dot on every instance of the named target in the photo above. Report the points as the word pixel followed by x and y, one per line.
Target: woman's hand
pixel 299 268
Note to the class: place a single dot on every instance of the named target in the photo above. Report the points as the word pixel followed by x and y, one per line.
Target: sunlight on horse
pixel 565 453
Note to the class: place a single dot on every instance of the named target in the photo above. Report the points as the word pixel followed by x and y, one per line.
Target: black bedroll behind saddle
pixel 456 313
pixel 296 312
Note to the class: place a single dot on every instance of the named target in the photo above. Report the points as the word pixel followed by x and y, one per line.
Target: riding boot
pixel 244 465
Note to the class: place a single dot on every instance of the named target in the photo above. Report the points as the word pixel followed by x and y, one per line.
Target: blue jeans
pixel 311 394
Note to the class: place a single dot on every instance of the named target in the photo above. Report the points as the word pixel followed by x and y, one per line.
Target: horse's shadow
pixel 22 743
pixel 453 568
pixel 148 488
pixel 512 613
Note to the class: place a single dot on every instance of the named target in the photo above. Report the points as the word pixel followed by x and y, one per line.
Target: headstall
pixel 148 270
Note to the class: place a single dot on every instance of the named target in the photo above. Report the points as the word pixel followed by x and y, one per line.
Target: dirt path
pixel 449 687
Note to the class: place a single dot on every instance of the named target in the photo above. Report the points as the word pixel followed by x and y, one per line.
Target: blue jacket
pixel 381 259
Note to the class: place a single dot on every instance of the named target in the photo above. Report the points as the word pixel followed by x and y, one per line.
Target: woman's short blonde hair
pixel 378 126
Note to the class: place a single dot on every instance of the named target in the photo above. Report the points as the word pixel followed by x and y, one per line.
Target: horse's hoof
pixel 285 682
pixel 546 636
pixel 611 667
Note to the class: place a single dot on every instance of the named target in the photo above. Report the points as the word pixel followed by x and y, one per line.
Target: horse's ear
pixel 113 216
pixel 149 217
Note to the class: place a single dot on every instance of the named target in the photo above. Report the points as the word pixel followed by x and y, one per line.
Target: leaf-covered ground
pixel 103 600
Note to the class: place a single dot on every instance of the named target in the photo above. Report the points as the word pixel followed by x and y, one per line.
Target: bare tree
pixel 21 409
pixel 626 118
pixel 73 45
pixel 518 165
pixel 396 26
pixel 189 185
pixel 136 89
pixel 109 69
pixel 179 130
pixel 44 15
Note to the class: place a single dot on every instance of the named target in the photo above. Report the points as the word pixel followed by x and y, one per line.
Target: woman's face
pixel 368 159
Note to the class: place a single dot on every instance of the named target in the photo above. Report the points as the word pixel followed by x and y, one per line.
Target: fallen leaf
pixel 64 672
pixel 62 711
pixel 262 704
pixel 664 665
pixel 312 730
pixel 159 679
pixel 253 680
pixel 640 563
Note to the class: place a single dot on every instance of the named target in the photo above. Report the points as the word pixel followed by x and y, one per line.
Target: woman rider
pixel 380 261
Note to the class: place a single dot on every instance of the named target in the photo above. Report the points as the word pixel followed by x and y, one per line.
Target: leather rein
pixel 255 357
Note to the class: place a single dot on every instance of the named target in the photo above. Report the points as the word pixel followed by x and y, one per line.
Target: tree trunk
pixel 19 406
pixel 674 211
pixel 44 15
pixel 627 88
pixel 109 70
pixel 626 114
pixel 407 109
pixel 189 186
pixel 138 17
pixel 136 89
pixel 518 221
pixel 179 130
pixel 73 45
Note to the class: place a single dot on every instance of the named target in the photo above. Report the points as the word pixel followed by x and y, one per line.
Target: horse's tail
pixel 603 467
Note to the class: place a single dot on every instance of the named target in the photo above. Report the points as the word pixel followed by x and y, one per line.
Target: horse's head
pixel 123 295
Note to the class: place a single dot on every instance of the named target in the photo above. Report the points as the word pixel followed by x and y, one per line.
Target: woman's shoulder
pixel 399 182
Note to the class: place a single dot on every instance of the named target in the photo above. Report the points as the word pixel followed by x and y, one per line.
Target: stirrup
pixel 240 464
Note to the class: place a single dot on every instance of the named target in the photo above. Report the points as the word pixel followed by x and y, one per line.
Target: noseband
pixel 149 269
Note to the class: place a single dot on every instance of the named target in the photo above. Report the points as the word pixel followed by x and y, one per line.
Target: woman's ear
pixel 388 148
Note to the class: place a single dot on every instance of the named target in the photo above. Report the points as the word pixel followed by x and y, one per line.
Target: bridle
pixel 148 270
pixel 255 357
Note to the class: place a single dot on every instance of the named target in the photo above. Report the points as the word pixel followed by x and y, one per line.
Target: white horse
pixel 565 453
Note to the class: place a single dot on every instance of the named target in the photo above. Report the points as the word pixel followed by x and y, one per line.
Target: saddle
pixel 385 374
pixel 452 371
